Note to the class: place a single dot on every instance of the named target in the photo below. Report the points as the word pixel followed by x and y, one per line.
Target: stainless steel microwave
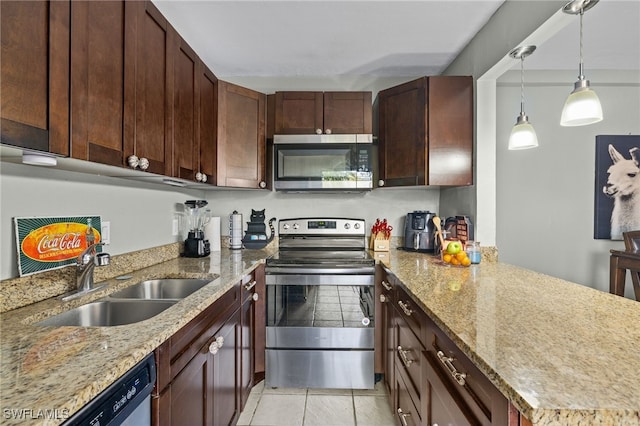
pixel 323 162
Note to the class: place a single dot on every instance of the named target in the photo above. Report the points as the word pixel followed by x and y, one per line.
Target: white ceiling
pixel 309 38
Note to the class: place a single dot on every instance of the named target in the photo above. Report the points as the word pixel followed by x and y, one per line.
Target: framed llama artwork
pixel 617 186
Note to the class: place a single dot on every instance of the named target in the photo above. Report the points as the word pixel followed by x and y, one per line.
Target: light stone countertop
pixel 564 354
pixel 54 371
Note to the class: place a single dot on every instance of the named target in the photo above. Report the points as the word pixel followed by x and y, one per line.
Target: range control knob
pixel 347 225
pixel 356 225
pixel 285 226
pixel 296 226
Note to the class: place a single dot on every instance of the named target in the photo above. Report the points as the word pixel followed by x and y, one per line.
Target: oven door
pixel 320 311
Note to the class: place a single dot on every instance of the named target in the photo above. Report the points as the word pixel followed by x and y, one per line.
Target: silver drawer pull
pixel 448 363
pixel 386 286
pixel 403 357
pixel 255 297
pixel 403 416
pixel 250 285
pixel 405 308
pixel 383 298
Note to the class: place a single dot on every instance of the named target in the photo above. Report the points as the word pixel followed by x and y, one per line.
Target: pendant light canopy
pixel 583 105
pixel 523 135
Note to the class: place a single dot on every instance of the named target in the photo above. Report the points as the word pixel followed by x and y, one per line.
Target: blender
pixel 195 219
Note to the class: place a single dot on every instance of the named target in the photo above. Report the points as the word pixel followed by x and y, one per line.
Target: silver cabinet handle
pixel 447 361
pixel 404 358
pixel 327 131
pixel 386 285
pixel 144 163
pixel 250 285
pixel 262 184
pixel 403 416
pixel 216 345
pixel 405 308
pixel 133 161
pixel 318 131
pixel 381 182
pixel 383 298
pixel 255 297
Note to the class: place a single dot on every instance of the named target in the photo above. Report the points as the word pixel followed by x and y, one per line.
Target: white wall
pixel 545 196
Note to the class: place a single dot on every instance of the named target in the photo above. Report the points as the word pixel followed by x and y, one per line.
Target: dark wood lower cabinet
pixel 206 369
pixel 430 380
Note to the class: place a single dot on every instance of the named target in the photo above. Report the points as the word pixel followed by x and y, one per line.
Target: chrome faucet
pixel 86 263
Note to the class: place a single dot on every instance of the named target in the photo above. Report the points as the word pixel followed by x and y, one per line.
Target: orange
pixel 455 261
pixel 466 261
pixel 447 258
pixel 461 255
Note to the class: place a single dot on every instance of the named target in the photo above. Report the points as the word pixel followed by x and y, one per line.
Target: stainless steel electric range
pixel 320 306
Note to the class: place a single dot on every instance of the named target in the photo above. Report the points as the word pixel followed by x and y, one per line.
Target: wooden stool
pixel 621 261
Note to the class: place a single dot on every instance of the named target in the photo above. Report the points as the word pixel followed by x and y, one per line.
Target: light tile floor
pixel 321 407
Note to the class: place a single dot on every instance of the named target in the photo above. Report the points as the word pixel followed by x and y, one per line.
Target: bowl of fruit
pixel 455 255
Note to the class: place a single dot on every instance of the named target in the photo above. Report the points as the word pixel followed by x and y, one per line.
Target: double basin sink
pixel 130 305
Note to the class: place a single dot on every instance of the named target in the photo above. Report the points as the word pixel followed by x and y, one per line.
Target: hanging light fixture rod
pixel 576 7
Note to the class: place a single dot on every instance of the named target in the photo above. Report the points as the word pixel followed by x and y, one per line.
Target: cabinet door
pixel 207 125
pixel 299 113
pixel 246 350
pixel 97 81
pixel 185 402
pixel 347 112
pixel 34 76
pixel 450 130
pixel 225 369
pixel 147 109
pixel 440 402
pixel 241 136
pixel 185 111
pixel 403 133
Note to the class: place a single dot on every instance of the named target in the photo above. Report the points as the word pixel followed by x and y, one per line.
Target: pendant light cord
pixel 581 70
pixel 522 85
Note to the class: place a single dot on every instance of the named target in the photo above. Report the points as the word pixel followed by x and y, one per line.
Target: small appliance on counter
pixel 235 230
pixel 419 231
pixel 195 219
pixel 256 236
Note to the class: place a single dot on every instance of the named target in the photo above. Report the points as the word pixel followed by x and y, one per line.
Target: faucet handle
pixel 102 259
pixel 85 256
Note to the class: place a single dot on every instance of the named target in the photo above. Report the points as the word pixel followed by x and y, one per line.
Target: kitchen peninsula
pixel 559 352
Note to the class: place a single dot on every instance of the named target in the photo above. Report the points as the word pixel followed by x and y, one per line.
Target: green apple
pixel 454 247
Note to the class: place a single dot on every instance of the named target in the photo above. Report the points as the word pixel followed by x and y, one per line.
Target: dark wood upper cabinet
pixel 34 76
pixel 98 81
pixel 148 87
pixel 425 132
pixel 185 109
pixel 241 143
pixel 207 124
pixel 318 112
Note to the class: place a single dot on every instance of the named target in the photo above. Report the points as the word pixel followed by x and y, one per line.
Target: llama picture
pixel 617 186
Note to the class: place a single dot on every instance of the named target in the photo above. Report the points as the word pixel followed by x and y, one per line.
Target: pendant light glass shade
pixel 582 107
pixel 523 135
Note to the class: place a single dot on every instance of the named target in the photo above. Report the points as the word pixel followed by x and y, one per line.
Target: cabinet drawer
pixel 407 353
pixel 486 403
pixel 406 410
pixel 411 313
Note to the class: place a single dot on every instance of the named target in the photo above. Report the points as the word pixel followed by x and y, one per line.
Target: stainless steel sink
pixel 106 313
pixel 168 288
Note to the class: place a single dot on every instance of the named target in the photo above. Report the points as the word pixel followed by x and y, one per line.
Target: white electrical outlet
pixel 106 232
pixel 174 227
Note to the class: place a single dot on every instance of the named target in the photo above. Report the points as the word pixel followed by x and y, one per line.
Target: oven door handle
pixel 321 270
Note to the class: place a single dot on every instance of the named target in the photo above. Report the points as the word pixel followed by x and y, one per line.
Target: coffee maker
pixel 195 219
pixel 419 231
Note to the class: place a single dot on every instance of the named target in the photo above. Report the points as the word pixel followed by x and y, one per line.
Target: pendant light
pixel 582 106
pixel 523 136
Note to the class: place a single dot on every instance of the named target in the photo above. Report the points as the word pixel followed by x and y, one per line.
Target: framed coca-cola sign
pixel 45 243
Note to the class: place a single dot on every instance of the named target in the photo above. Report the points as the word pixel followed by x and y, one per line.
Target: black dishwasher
pixel 125 402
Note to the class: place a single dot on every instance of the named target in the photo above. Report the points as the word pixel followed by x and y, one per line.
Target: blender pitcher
pixel 195 219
